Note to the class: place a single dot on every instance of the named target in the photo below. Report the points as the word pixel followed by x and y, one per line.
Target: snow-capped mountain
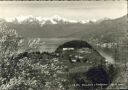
pixel 30 26
pixel 44 20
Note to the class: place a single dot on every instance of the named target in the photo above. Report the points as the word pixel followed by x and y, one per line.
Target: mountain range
pixel 44 20
pixel 105 30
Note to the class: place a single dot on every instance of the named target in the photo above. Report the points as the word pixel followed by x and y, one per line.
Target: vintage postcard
pixel 63 45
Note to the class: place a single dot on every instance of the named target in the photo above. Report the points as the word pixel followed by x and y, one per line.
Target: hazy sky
pixel 72 10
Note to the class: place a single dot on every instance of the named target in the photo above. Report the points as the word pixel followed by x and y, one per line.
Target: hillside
pixel 105 31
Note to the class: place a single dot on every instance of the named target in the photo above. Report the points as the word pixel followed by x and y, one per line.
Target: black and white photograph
pixel 64 45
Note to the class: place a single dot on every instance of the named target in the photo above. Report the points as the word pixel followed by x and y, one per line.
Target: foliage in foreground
pixel 26 73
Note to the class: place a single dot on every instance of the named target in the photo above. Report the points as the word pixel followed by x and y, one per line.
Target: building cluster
pixel 79 52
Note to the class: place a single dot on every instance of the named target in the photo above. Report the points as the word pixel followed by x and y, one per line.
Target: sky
pixel 78 10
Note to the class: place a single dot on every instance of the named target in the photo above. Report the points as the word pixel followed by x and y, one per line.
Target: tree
pixel 27 72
